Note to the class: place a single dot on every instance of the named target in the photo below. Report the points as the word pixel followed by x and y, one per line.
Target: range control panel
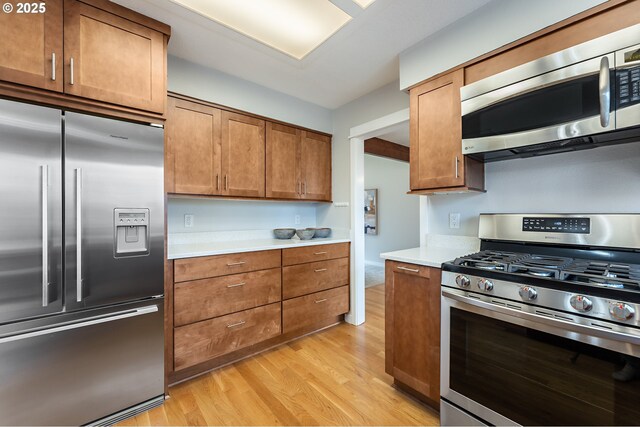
pixel 557 225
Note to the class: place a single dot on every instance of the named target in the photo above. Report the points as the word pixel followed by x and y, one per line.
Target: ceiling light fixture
pixel 363 3
pixel 294 27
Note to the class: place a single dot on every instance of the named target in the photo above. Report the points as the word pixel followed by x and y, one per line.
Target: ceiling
pixel 398 134
pixel 359 58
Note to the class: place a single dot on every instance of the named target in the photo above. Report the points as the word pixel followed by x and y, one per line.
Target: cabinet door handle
pixel 217 182
pixel 71 71
pixel 320 270
pixel 226 182
pixel 235 285
pixel 304 188
pixel 300 188
pixel 318 301
pixel 412 270
pixel 233 325
pixel 233 264
pixel 456 166
pixel 53 66
pixel 320 253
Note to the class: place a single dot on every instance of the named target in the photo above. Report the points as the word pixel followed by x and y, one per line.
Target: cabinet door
pixel 412 327
pixel 316 166
pixel 193 148
pixel 31 47
pixel 243 155
pixel 436 134
pixel 112 59
pixel 283 162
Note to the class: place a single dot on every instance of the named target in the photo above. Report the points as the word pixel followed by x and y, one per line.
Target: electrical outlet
pixel 454 220
pixel 188 220
pixel 297 219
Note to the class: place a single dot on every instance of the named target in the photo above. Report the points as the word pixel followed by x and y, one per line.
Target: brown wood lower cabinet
pixel 412 328
pixel 301 312
pixel 226 307
pixel 204 340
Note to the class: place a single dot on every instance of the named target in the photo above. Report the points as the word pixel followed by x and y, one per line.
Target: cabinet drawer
pixel 417 270
pixel 313 277
pixel 298 313
pixel 206 298
pixel 223 265
pixel 314 253
pixel 205 340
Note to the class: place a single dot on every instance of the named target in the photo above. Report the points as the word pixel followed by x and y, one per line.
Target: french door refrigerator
pixel 81 267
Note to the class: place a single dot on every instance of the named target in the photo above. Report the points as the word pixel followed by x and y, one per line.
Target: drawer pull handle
pixel 233 264
pixel 320 253
pixel 233 325
pixel 413 270
pixel 235 285
pixel 320 270
pixel 318 301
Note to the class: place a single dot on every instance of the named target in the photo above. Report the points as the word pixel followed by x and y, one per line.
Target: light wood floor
pixel 334 377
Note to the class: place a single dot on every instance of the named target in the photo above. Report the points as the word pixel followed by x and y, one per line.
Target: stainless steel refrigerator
pixel 81 266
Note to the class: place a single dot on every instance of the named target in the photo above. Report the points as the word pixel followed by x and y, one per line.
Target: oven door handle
pixel 557 323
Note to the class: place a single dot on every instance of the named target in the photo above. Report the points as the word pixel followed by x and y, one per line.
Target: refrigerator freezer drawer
pixel 80 369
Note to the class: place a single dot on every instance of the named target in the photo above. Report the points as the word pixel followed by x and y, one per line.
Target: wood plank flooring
pixel 334 377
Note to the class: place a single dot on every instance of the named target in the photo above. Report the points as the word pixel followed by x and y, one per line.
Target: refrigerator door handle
pixel 45 235
pixel 92 321
pixel 79 234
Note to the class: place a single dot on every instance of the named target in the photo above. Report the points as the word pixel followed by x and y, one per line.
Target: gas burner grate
pixel 618 276
pixel 488 260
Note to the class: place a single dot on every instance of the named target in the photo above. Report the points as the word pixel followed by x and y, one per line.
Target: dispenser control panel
pixel 131 237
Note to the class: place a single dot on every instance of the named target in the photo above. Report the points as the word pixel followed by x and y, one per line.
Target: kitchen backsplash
pixel 212 215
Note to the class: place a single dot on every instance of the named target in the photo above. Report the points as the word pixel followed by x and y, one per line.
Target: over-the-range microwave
pixel 581 97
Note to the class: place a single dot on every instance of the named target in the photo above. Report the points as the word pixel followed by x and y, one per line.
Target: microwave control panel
pixel 628 80
pixel 557 225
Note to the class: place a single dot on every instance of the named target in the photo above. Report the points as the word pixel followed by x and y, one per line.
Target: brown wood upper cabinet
pixel 243 154
pixel 111 54
pixel 112 59
pixel 31 47
pixel 193 151
pixel 298 164
pixel 436 160
pixel 412 328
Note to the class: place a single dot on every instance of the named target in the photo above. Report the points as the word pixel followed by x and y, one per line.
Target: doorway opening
pixel 378 218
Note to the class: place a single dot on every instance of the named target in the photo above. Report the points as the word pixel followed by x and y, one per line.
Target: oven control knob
pixel 485 285
pixel 528 293
pixel 463 281
pixel 581 303
pixel 621 311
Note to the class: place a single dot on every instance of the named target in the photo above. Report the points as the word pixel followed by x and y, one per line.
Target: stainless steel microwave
pixel 582 97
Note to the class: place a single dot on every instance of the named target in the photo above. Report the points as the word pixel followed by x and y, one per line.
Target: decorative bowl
pixel 321 232
pixel 284 233
pixel 305 234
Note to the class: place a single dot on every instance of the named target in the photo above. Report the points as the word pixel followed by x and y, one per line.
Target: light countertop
pixel 438 249
pixel 199 248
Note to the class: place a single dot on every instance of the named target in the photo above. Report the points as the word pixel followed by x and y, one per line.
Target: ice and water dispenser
pixel 131 232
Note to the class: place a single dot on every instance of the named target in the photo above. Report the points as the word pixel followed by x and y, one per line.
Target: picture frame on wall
pixel 371 211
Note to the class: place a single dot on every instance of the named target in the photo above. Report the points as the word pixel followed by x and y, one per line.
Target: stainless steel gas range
pixel 542 326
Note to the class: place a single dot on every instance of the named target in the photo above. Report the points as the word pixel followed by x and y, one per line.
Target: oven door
pixel 568 103
pixel 506 366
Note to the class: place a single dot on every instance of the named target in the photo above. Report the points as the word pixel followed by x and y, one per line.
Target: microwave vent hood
pixel 583 97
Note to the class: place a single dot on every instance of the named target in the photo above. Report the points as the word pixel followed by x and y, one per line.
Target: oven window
pixel 553 105
pixel 535 378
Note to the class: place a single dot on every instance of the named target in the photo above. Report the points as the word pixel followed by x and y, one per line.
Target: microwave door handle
pixel 604 88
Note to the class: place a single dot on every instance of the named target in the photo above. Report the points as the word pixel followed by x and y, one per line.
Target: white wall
pixel 215 86
pixel 386 100
pixel 231 215
pixel 398 212
pixel 601 180
pixel 496 24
